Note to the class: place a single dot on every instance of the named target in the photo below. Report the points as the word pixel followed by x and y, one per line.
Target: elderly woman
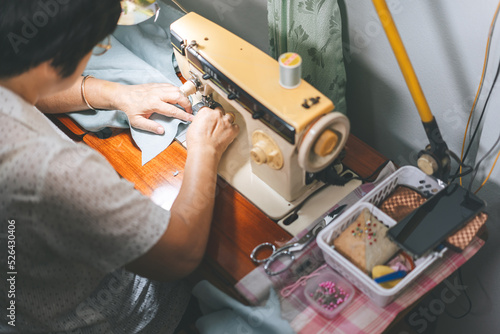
pixel 92 255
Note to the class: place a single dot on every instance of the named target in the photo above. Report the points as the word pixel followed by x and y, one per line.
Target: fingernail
pixel 160 130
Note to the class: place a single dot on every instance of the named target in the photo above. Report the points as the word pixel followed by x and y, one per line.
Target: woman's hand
pixel 211 131
pixel 139 102
pixel 181 248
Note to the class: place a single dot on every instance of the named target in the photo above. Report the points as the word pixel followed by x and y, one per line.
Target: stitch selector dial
pixel 265 150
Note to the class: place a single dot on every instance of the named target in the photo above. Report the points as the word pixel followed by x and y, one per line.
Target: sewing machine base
pixel 321 203
pixel 275 206
pixel 265 198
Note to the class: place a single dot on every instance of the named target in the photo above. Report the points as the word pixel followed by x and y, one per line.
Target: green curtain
pixel 313 29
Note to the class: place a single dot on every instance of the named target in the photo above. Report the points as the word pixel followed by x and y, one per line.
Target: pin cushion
pixel 365 243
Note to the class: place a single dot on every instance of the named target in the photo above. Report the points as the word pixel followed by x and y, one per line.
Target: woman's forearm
pixel 138 102
pixel 100 94
pixel 194 204
pixel 181 247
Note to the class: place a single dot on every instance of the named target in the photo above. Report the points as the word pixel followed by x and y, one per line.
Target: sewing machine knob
pixel 258 155
pixel 275 159
pixel 265 150
pixel 258 114
pixel 206 76
pixel 326 143
pixel 188 88
pixel 232 96
pixel 427 164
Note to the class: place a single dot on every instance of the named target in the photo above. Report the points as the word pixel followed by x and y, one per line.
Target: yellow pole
pixel 404 61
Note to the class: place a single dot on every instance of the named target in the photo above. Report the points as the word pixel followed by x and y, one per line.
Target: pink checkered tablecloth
pixel 361 315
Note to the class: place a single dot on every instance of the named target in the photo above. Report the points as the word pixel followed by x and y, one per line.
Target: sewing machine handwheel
pixel 323 142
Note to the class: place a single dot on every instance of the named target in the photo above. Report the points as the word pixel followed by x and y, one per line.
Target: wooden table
pixel 237 226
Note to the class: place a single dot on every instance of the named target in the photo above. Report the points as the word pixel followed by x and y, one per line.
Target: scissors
pixel 285 253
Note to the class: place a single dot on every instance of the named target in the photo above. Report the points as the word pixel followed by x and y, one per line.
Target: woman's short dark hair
pixel 63 31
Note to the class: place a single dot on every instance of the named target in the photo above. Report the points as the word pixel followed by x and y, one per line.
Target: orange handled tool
pixel 435 159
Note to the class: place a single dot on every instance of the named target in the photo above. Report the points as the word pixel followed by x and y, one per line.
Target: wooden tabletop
pixel 237 226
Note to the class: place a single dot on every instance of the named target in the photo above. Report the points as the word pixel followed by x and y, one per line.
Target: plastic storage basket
pixel 409 176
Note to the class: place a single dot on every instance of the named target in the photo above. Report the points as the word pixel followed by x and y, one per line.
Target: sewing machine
pixel 287 135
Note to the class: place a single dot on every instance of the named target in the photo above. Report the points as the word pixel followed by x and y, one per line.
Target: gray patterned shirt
pixel 76 223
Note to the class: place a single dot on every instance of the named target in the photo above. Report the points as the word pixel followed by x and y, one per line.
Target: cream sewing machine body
pixel 285 136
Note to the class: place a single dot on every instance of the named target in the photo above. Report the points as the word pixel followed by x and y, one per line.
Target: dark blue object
pixel 391 277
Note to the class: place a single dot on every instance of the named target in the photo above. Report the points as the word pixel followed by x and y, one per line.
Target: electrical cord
pixel 483 111
pixel 478 93
pixel 480 119
pixel 461 165
pixel 476 169
pixel 368 178
pixel 180 6
pixel 469 302
pixel 489 174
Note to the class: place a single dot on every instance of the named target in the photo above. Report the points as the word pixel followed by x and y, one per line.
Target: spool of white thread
pixel 290 70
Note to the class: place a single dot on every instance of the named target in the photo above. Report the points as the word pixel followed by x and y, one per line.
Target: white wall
pixel 245 18
pixel 446 40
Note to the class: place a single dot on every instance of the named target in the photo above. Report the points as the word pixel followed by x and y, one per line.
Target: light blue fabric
pixel 223 314
pixel 139 54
